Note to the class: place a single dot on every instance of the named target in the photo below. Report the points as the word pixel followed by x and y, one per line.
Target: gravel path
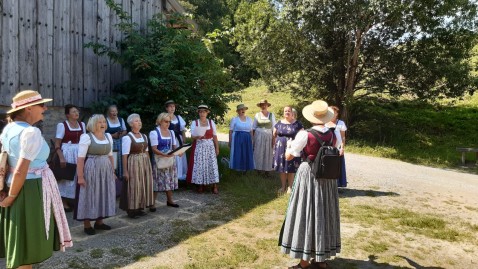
pixel 444 190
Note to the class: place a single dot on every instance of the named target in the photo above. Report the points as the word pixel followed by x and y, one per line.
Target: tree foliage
pixel 216 19
pixel 167 63
pixel 344 50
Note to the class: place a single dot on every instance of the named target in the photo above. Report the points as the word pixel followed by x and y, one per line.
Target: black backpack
pixel 327 163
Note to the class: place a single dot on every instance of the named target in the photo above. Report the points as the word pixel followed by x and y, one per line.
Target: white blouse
pixel 126 143
pixel 116 124
pixel 260 116
pixel 300 141
pixel 153 137
pixel 85 142
pixel 60 129
pixel 31 139
pixel 193 126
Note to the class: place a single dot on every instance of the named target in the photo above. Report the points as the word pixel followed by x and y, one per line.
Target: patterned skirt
pixel 312 224
pixel 98 198
pixel 22 228
pixel 165 179
pixel 205 169
pixel 263 155
pixel 67 187
pixel 137 192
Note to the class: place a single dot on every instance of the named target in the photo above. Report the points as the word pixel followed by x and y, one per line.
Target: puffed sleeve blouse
pixel 300 141
pixel 126 143
pixel 239 126
pixel 85 142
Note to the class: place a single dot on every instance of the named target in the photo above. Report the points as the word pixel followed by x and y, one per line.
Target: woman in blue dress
pixel 117 129
pixel 240 141
pixel 32 220
pixel 284 132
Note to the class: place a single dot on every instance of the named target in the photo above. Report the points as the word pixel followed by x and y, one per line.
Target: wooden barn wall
pixel 41 47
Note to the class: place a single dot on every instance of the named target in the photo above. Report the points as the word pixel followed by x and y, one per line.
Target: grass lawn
pixel 410 131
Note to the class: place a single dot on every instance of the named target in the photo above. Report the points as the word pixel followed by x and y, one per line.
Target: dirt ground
pixel 374 182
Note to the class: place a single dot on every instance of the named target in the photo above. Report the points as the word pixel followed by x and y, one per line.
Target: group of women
pixel 311 230
pixel 261 143
pixel 108 155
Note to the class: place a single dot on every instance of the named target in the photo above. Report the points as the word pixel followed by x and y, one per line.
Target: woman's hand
pixel 289 156
pixel 217 151
pixel 81 181
pixel 8 201
pixel 125 175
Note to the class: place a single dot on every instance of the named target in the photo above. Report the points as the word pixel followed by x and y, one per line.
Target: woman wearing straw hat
pixel 32 219
pixel 240 141
pixel 264 121
pixel 178 126
pixel 311 230
pixel 203 169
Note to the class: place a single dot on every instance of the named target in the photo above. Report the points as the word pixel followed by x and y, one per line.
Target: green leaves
pixel 167 63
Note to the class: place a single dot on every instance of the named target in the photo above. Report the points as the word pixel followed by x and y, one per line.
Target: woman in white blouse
pixel 178 126
pixel 33 223
pixel 96 176
pixel 263 125
pixel 340 128
pixel 137 191
pixel 67 138
pixel 311 230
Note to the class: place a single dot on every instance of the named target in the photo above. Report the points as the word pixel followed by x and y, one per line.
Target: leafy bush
pixel 166 63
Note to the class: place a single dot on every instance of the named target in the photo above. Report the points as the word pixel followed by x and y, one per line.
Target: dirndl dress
pixel 242 156
pixel 263 151
pixel 164 179
pixel 138 189
pixel 203 168
pixel 97 199
pixel 30 231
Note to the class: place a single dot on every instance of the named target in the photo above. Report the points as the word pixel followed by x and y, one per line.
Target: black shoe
pixel 102 226
pixel 89 231
pixel 133 215
pixel 141 213
pixel 152 209
pixel 172 204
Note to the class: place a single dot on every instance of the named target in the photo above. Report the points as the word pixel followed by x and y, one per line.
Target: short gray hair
pixel 132 117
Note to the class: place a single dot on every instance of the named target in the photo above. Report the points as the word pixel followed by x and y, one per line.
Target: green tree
pixel 167 63
pixel 215 19
pixel 344 50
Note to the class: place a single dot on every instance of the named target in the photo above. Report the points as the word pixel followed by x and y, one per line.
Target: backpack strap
pixel 315 134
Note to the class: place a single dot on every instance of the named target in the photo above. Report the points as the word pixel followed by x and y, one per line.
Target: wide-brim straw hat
pixel 205 107
pixel 169 102
pixel 27 98
pixel 318 112
pixel 241 106
pixel 263 102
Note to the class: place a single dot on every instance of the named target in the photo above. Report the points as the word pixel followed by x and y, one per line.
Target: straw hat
pixel 27 98
pixel 318 112
pixel 241 106
pixel 203 107
pixel 264 101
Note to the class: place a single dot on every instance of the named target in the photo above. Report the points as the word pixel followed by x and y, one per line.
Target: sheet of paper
pixel 199 131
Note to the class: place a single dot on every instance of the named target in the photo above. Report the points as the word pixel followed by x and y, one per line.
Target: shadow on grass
pixel 349 193
pixel 371 263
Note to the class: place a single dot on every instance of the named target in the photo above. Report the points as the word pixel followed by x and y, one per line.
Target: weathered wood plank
pixel 66 55
pixel 90 12
pixel 45 47
pixel 103 35
pixel 3 97
pixel 76 64
pixel 10 50
pixel 27 58
pixel 57 53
